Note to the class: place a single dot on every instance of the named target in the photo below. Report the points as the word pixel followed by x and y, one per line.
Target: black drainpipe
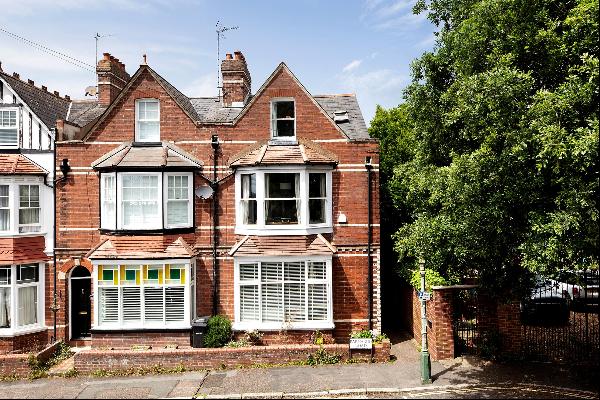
pixel 368 166
pixel 54 303
pixel 215 219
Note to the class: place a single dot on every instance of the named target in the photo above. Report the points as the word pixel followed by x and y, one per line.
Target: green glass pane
pixel 130 275
pixel 175 274
pixel 107 275
pixel 153 274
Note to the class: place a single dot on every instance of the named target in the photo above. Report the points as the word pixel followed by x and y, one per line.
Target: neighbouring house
pixel 27 120
pixel 261 207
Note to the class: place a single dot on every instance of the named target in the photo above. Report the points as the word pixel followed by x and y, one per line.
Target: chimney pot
pixel 0 66
pixel 44 88
pixel 228 56
pixel 237 55
pixel 31 82
pixel 15 75
pixel 67 97
pixel 56 93
pixel 107 56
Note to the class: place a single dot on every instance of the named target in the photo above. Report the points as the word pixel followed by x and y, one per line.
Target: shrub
pixel 253 337
pixel 218 331
pixel 363 334
pixel 322 357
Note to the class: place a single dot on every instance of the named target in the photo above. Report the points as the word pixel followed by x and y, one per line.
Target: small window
pixel 4 208
pixel 107 200
pixel 27 273
pixel 147 114
pixel 283 119
pixel 4 275
pixel 317 198
pixel 178 200
pixel 249 198
pixel 8 128
pixel 29 208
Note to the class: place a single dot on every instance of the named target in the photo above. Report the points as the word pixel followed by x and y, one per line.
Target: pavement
pixel 459 378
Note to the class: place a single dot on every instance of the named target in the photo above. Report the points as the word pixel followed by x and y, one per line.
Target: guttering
pixel 369 167
pixel 215 221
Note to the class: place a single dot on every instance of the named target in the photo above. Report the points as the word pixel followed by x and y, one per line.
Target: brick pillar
pixel 509 328
pixel 487 320
pixel 440 336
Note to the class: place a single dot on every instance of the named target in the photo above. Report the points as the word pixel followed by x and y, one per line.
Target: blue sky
pixel 360 46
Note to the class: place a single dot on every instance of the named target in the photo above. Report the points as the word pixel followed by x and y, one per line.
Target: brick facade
pixel 78 195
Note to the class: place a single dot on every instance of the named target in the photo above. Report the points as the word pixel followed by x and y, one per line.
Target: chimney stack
pixel 236 80
pixel 112 78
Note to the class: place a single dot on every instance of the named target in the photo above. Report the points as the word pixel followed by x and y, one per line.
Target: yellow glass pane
pixel 137 277
pixel 99 272
pixel 182 279
pixel 160 276
pixel 122 271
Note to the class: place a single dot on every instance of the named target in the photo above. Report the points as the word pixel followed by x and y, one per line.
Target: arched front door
pixel 81 305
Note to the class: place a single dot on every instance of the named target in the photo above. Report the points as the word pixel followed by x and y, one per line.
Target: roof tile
pixel 141 247
pixel 18 164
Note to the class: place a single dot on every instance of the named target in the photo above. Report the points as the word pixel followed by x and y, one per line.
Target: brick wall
pixel 440 338
pixel 93 360
pixel 127 339
pixel 18 364
pixel 24 343
pixel 509 328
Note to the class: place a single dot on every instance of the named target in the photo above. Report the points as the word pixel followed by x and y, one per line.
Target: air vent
pixel 340 116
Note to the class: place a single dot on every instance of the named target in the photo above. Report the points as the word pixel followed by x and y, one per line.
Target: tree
pixel 501 178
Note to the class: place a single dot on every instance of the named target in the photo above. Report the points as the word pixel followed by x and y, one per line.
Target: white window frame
pixel 163 206
pixel 303 227
pixel 15 328
pixel 7 208
pixel 14 181
pixel 274 120
pixel 267 326
pixel 108 221
pixel 37 225
pixel 137 120
pixel 143 324
pixel 190 200
pixel 6 145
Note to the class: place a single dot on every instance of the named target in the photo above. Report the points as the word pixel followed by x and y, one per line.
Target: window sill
pixel 9 332
pixel 271 230
pixel 276 326
pixel 190 229
pixel 129 328
pixel 6 234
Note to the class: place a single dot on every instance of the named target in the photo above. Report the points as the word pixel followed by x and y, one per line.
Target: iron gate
pixel 560 319
pixel 464 322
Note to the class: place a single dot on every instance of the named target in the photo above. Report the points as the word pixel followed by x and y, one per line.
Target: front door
pixel 81 306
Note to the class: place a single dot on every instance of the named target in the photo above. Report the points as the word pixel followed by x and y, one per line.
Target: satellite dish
pixel 91 91
pixel 204 192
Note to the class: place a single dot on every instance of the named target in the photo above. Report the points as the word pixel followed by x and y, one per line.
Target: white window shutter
pixel 175 303
pixel 132 304
pixel 154 304
pixel 109 305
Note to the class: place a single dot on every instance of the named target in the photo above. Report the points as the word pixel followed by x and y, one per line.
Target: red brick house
pixel 261 207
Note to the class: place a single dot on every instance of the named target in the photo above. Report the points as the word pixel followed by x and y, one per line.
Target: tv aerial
pixel 221 35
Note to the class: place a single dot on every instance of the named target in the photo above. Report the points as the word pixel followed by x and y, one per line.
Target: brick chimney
pixel 236 80
pixel 112 77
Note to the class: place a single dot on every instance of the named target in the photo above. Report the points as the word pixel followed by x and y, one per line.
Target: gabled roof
pixel 45 105
pixel 129 155
pixel 141 247
pixel 263 153
pixel 18 164
pixel 282 245
pixel 182 100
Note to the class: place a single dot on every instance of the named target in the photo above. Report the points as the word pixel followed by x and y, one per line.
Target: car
pixel 584 293
pixel 549 304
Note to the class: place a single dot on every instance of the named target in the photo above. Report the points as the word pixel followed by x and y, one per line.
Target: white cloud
pixel 204 86
pixel 28 7
pixel 352 66
pixel 386 15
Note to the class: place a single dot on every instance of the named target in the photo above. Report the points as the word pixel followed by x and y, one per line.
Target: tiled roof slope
pixel 282 245
pixel 128 155
pixel 22 250
pixel 179 97
pixel 210 110
pixel 355 128
pixel 141 247
pixel 18 164
pixel 305 152
pixel 47 106
pixel 82 112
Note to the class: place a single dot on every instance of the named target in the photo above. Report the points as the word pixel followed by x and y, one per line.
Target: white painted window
pixel 108 190
pixel 283 119
pixel 4 207
pixel 143 296
pixel 136 200
pixel 21 298
pixel 290 293
pixel 29 208
pixel 9 128
pixel 283 200
pixel 147 120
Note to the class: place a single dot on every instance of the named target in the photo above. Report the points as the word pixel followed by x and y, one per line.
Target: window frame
pixel 304 227
pixel 13 182
pixel 141 265
pixel 14 286
pixel 274 119
pixel 239 325
pixel 137 119
pixel 190 200
pixel 39 207
pixel 7 208
pixel 7 145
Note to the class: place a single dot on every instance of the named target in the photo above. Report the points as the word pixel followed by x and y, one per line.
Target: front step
pixel 81 342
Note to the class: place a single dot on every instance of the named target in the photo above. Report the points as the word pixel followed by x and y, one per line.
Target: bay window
pixel 272 294
pixel 143 295
pixel 29 208
pixel 9 128
pixel 21 297
pixel 147 120
pixel 288 201
pixel 146 201
pixel 4 208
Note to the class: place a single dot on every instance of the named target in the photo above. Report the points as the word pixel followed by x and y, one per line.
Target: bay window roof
pixel 263 153
pixel 141 247
pixel 253 246
pixel 166 155
pixel 18 164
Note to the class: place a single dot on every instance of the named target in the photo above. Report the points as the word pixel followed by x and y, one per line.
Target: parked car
pixel 548 304
pixel 584 290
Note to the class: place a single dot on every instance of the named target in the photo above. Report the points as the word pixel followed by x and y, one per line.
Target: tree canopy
pixel 492 158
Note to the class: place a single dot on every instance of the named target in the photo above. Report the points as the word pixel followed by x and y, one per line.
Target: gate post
pixel 509 328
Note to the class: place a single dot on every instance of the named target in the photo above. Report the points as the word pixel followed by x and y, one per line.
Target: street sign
pixel 358 344
pixel 424 296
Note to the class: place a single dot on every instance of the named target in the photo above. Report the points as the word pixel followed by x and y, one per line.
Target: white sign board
pixel 358 344
pixel 424 296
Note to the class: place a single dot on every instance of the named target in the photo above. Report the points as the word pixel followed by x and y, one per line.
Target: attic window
pixel 147 120
pixel 283 119
pixel 340 116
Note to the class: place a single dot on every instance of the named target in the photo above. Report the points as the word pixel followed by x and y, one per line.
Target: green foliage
pixel 218 331
pixel 494 153
pixel 432 278
pixel 238 343
pixel 378 339
pixel 362 334
pixel 317 338
pixel 322 357
pixel 39 369
pixel 488 344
